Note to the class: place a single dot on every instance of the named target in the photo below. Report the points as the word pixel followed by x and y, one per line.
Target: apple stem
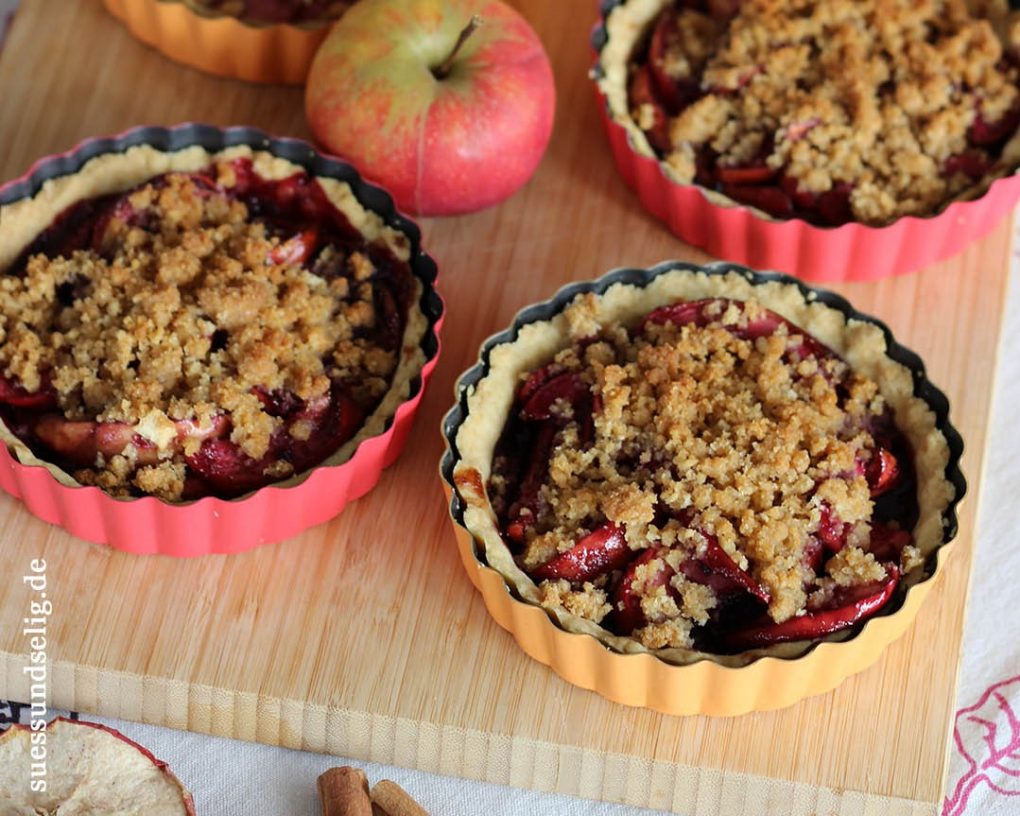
pixel 444 68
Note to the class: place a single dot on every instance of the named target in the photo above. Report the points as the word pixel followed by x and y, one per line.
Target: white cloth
pixel 229 777
pixel 984 769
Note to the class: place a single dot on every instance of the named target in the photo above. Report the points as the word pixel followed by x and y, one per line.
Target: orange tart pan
pixel 220 44
pixel 148 525
pixel 849 252
pixel 705 686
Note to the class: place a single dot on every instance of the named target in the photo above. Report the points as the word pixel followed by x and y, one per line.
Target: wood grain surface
pixel 363 637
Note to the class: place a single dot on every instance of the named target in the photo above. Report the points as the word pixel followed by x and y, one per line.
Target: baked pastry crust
pixel 21 222
pixel 627 27
pixel 861 344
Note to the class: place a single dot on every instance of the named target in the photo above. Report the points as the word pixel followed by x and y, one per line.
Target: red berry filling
pixel 628 489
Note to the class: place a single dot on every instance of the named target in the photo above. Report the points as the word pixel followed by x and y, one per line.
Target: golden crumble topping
pixel 896 106
pixel 188 318
pixel 588 602
pixel 711 449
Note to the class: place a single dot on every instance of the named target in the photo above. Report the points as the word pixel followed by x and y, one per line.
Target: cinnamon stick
pixel 344 792
pixel 393 800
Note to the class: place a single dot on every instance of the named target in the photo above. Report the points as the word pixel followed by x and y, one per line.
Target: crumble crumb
pixel 910 559
pixel 674 633
pixel 851 566
pixel 588 602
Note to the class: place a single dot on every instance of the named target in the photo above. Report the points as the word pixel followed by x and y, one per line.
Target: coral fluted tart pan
pixel 237 334
pixel 697 154
pixel 633 582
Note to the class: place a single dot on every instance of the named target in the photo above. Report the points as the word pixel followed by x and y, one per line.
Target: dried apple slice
pixel 89 769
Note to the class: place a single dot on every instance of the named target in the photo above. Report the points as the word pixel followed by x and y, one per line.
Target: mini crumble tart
pixel 703 467
pixel 269 41
pixel 187 324
pixel 830 111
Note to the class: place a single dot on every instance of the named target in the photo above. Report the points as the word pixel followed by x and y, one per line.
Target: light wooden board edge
pixel 156 697
pixel 465 753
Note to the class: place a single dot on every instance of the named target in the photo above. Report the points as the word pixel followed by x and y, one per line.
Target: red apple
pixel 447 103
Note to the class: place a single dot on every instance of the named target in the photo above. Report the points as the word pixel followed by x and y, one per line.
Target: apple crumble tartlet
pixel 226 323
pixel 706 466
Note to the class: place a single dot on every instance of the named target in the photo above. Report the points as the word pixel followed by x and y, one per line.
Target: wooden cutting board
pixel 363 637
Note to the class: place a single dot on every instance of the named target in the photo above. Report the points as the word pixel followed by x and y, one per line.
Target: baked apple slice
pixel 652 113
pixel 568 387
pixel 13 394
pixel 297 249
pixel 846 607
pixel 597 553
pixel 882 472
pixel 764 324
pixel 81 442
pixel 714 569
pixel 627 612
pixel 983 133
pixel 674 93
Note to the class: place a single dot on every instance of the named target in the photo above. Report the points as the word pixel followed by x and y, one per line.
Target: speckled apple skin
pixel 440 147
